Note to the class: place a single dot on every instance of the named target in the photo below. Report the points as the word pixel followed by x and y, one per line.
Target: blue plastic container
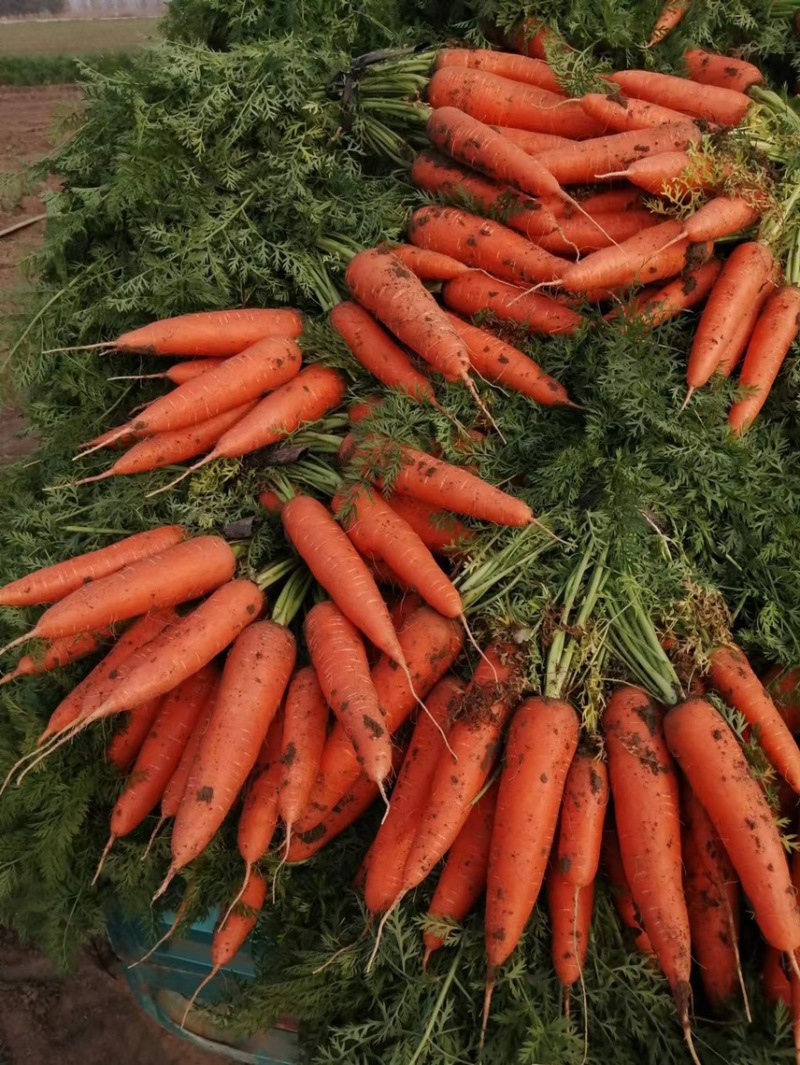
pixel 166 981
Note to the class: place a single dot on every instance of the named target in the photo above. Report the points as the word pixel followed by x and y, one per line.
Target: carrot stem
pixel 437 1009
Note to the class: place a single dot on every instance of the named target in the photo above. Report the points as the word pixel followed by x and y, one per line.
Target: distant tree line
pixel 15 8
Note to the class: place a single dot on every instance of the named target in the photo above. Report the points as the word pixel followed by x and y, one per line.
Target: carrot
pixel 477 145
pixel 783 687
pixel 620 114
pixel 256 673
pixel 714 104
pixel 439 483
pixel 52 583
pixel 175 575
pixel 377 352
pixel 380 532
pixel 679 295
pixel 774 980
pixel 463 879
pixel 606 156
pixel 340 661
pixel 583 813
pixel 720 217
pixel 482 244
pixel 231 932
pixel 166 449
pixel 514 67
pixel 669 17
pixel 474 292
pixel 531 142
pixel 271 502
pixel 585 234
pixel 57 654
pixel 405 604
pixel 439 530
pixel 774 333
pixel 533 38
pixel 744 283
pixel 717 770
pixel 499 101
pixel 218 334
pixel 570 920
pixel 305 726
pixel 621 892
pixel 497 361
pixel 178 374
pixel 341 571
pixel 712 899
pixel 708 68
pixel 160 755
pixel 624 264
pixel 645 789
pixel 391 845
pixel 127 742
pixel 430 645
pixel 732 676
pixel 668 171
pixel 428 265
pixel 541 744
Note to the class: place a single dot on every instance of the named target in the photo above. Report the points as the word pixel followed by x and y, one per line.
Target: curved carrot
pixel 426 264
pixel 621 265
pixel 259 817
pixel 210 333
pixel 668 171
pixel 178 782
pixel 507 65
pixel 533 38
pixel 57 654
pixel 717 770
pixel 340 661
pixel 570 910
pixel 583 812
pixel 439 530
pixel 473 292
pixel 377 352
pixel 52 583
pixel 732 676
pixel 620 114
pixel 783 687
pixel 714 104
pixel 305 725
pixel 708 68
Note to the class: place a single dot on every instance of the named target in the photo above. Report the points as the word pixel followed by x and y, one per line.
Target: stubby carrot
pixel 680 295
pixel 710 102
pixel 474 292
pixel 723 71
pixel 507 65
pixel 570 920
pixel 583 811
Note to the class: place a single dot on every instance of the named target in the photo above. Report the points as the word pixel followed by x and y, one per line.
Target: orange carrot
pixel 744 283
pixel 439 530
pixel 482 244
pixel 670 15
pixel 474 292
pixel 620 114
pixel 52 583
pixel 621 892
pixel 708 68
pixel 583 813
pixel 340 661
pixel 341 571
pixel 531 142
pixel 717 770
pixel 645 789
pixel 589 160
pixel 714 104
pixel 259 817
pixel 428 265
pixel 514 67
pixel 271 502
pixel 57 654
pixel 463 879
pixel 541 744
pixel 497 361
pixel 177 783
pixel 720 217
pixel 377 352
pixel 675 172
pixel 499 101
pixel 391 845
pixel 783 687
pixel 430 644
pixel 585 234
pixel 178 374
pixel 175 575
pixel 126 743
pixel 732 676
pixel 623 264
pixel 305 724
pixel 257 671
pixel 679 295
pixel 533 38
pixel 378 531
pixel 570 910
pixel 774 333
pixel 774 979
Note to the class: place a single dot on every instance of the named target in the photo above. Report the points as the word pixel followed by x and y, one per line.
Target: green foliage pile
pixel 216 172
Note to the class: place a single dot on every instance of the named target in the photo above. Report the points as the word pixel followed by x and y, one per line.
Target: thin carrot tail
pixel 203 983
pixel 335 955
pixel 26 758
pixel 78 347
pixel 565 999
pixel 171 873
pixel 283 861
pixel 123 429
pixel 439 728
pixel 739 973
pixel 685 403
pixel 682 996
pixel 138 377
pixel 574 203
pixel 19 640
pixel 183 476
pixel 151 841
pixel 426 957
pixel 84 480
pixel 8 677
pixel 248 870
pixel 385 797
pixel 487 1004
pixel 584 999
pixel 470 636
pixel 379 933
pixel 169 932
pixel 111 840
pixel 40 755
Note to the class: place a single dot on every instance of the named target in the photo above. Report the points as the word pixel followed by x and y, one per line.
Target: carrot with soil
pixel 723 71
pixel 505 64
pixel 305 724
pixel 710 102
pixel 428 265
pixel 620 114
pixel 474 292
pixel 621 892
pixel 59 653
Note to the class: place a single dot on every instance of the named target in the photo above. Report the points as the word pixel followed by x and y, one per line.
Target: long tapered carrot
pixel 430 645
pixel 500 101
pixel 775 331
pixel 632 260
pixel 583 812
pixel 338 567
pixel 531 142
pixel 377 351
pixel 621 891
pixel 391 845
pixel 708 68
pixel 126 742
pixel 682 294
pixel 507 65
pixel 463 878
pixel 217 334
pixel 570 909
pixel 644 785
pixel 669 17
pixel 580 235
pixel 340 661
pixel 744 283
pixel 717 770
pixel 710 102
pixel 474 292
pixel 180 573
pixel 720 217
pixel 57 654
pixel 439 530
pixel 426 264
pixel 305 725
pixel 54 582
pixel 439 483
pixel 482 244
pixel 621 114
pixel 378 531
pixel 733 677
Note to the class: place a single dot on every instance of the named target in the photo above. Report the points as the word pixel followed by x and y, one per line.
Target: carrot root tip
pixel 487 1005
pixel 111 840
pixel 685 403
